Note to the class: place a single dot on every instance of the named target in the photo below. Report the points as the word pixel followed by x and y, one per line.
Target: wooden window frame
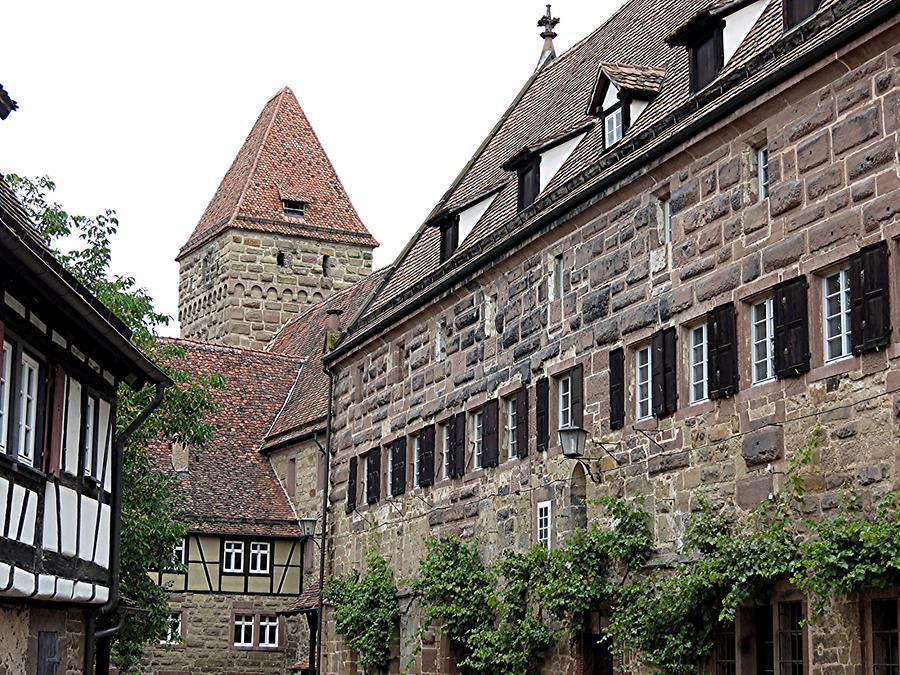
pixel 510 426
pixel 610 113
pixel 767 302
pixel 714 34
pixel 545 542
pixel 762 172
pixel 476 438
pixel 294 208
pixel 6 378
pixel 417 458
pixel 564 408
pixel 692 347
pixel 268 555
pixel 791 20
pixel 446 433
pixel 168 641
pixel 876 595
pixel 648 382
pixel 277 624
pixel 843 275
pixel 243 623
pixel 529 181
pixel 243 566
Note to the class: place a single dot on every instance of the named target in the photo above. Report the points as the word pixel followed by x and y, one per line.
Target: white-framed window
pixel 5 376
pixel 417 458
pixel 259 557
pixel 698 353
pixel 27 410
pixel 234 557
pixel 365 477
pixel 544 523
pixel 445 451
pixel 389 470
pixel 243 630
pixel 268 631
pixel 477 430
pixel 440 341
pixel 565 401
pixel 512 448
pixel 643 399
pixel 557 289
pixel 89 451
pixel 762 318
pixel 613 127
pixel 178 554
pixel 173 629
pixel 667 220
pixel 836 314
pixel 762 171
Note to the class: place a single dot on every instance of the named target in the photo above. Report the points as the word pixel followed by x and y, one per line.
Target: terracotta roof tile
pixel 634 77
pixel 281 158
pixel 229 487
pixel 307 600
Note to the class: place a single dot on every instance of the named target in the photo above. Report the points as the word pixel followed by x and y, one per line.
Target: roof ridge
pixel 220 346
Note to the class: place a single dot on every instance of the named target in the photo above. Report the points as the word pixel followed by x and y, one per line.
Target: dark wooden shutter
pixel 707 57
pixel 351 484
pixel 722 352
pixel 373 476
pixel 577 375
pixel 458 438
pixel 53 436
pixel 426 456
pixel 398 467
pixel 617 388
pixel 664 383
pixel 490 450
pixel 797 11
pixel 529 182
pixel 449 237
pixel 870 319
pixel 790 319
pixel 47 653
pixel 542 413
pixel 522 432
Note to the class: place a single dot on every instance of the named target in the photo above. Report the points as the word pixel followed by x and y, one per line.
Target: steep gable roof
pixel 634 77
pixel 281 158
pixel 229 487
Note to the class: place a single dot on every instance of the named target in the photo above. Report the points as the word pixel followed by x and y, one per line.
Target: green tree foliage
pixel 151 526
pixel 366 611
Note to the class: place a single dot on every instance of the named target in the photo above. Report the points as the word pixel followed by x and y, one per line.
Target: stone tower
pixel 280 233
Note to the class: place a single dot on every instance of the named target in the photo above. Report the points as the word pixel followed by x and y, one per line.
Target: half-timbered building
pixel 680 239
pixel 63 356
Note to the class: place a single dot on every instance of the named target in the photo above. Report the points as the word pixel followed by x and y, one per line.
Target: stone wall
pixel 21 624
pixel 208 644
pixel 243 286
pixel 832 135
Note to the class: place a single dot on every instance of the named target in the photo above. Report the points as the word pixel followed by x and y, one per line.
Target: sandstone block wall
pixel 21 624
pixel 832 135
pixel 242 287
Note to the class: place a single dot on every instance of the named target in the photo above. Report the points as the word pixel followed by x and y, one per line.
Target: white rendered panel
pixel 15 511
pixel 84 592
pixel 103 445
pixel 553 159
pixel 50 540
pixel 46 587
pixel 470 217
pixel 637 107
pixel 4 498
pixel 23 583
pixel 73 427
pixel 65 588
pixel 102 555
pixel 89 515
pixel 27 535
pixel 68 517
pixel 737 26
pixel 101 594
pixel 612 95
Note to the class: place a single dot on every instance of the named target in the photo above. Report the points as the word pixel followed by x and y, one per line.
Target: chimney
pixel 332 329
pixel 548 22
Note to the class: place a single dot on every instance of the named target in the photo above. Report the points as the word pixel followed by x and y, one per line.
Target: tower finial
pixel 548 22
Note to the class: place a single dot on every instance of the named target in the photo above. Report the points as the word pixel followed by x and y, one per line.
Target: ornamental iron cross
pixel 548 23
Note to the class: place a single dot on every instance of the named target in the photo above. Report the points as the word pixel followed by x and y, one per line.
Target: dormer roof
pixel 703 19
pixel 280 159
pixel 640 80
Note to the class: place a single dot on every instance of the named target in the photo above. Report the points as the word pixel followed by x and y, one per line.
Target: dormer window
pixel 529 182
pixel 798 11
pixel 707 59
pixel 456 225
pixel 612 127
pixel 293 208
pixel 449 237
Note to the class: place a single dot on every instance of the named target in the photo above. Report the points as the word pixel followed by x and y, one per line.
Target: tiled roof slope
pixel 282 158
pixel 557 99
pixel 304 336
pixel 229 487
pixel 634 77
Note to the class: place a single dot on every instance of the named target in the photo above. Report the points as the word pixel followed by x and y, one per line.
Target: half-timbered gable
pixel 63 356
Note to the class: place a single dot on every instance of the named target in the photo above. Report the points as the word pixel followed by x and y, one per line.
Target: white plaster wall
pixel 737 26
pixel 553 159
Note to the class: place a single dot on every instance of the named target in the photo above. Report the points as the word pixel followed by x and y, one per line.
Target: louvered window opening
pixel 763 338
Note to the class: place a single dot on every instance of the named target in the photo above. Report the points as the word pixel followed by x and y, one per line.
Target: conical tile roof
pixel 281 158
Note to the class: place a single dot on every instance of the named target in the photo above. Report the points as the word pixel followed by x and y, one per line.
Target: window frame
pixel 544 539
pixel 90 424
pixel 693 365
pixel 173 629
pixel 613 113
pixel 294 208
pixel 768 304
pixel 510 424
pixel 260 546
pixel 31 457
pixel 787 659
pixel 241 620
pixel 267 621
pixel 843 275
pixel 639 383
pixel 476 431
pixel 762 172
pixel 446 433
pixel 6 375
pixel 417 457
pixel 226 551
pixel 564 409
pixel 891 633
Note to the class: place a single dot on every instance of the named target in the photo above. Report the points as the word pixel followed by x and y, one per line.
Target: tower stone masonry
pixel 279 234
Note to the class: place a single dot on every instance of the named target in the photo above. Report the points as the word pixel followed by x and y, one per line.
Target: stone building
pixel 279 234
pixel 63 355
pixel 278 250
pixel 682 238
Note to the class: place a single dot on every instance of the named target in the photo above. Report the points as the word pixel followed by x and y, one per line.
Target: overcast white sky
pixel 141 107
